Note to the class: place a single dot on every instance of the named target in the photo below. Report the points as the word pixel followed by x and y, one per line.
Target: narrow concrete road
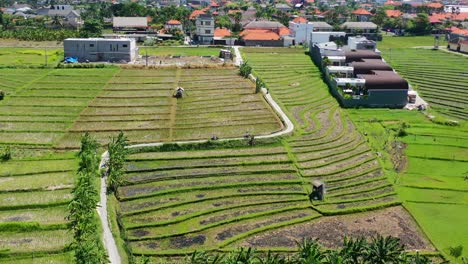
pixel 109 241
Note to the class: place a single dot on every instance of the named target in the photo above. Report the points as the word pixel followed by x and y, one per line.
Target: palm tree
pixel 244 256
pixel 309 252
pixel 353 249
pixel 384 250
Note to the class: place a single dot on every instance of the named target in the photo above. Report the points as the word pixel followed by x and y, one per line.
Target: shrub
pixel 245 70
pixel 5 154
pixel 258 85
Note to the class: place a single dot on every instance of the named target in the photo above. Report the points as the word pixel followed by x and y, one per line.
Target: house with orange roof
pixel 393 3
pixel 361 15
pixel 222 36
pixel 435 5
pixel 393 13
pixel 196 13
pixel 173 24
pixel 266 33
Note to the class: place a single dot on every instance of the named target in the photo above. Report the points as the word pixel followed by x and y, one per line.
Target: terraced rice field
pixel 182 201
pixel 140 103
pixel 432 180
pixel 326 146
pixel 175 203
pixel 34 194
pixel 53 108
pixel 440 77
pixel 43 104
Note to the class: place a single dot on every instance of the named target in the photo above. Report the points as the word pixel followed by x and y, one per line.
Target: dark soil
pixel 140 233
pixel 394 221
pixel 184 241
pixel 152 245
pixel 242 228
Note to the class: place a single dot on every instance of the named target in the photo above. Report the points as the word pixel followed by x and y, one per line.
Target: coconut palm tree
pixel 384 250
pixel 309 252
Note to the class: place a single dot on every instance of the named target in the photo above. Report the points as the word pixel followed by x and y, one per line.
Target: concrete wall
pixel 464 48
pixel 264 43
pixel 101 49
pixel 375 98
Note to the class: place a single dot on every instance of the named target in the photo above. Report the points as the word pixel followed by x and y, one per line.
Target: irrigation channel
pixel 108 239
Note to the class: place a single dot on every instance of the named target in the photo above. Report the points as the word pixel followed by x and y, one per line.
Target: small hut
pixel 178 92
pixel 318 190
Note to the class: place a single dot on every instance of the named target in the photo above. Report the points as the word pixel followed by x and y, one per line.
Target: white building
pixel 99 49
pixel 322 37
pixel 300 31
pixel 205 29
pixel 361 43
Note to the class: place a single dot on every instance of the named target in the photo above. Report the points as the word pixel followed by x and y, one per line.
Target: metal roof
pixel 130 22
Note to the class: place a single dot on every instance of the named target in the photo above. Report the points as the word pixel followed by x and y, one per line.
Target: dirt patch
pixel 152 245
pixel 394 221
pixel 184 241
pixel 235 230
pixel 398 156
pixel 140 233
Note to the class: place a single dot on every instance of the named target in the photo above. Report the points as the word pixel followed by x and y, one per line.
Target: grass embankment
pixel 432 162
pixel 440 78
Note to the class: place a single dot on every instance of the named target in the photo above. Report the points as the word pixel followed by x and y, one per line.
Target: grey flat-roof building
pixel 99 49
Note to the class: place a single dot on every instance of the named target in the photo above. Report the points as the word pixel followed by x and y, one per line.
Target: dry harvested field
pixel 53 108
pixel 174 203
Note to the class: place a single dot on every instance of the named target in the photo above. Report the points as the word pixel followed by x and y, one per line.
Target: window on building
pixel 207 23
pixel 125 45
pixel 91 45
pixel 207 31
pixel 201 23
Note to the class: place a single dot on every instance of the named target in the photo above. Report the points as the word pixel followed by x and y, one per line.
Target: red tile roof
pixel 299 20
pixel 283 31
pixel 173 22
pixel 393 13
pixel 393 3
pixel 361 11
pixel 214 4
pixel 439 17
pixel 196 13
pixel 234 11
pixel 458 31
pixel 259 34
pixel 222 32
pixel 435 5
